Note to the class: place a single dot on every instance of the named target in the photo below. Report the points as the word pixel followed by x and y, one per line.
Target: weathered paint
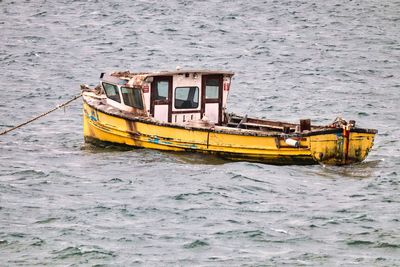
pixel 233 144
pixel 337 149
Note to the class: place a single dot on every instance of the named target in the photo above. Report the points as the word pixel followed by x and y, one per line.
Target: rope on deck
pixel 41 115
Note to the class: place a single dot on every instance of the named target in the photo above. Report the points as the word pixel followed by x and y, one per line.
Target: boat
pixel 186 110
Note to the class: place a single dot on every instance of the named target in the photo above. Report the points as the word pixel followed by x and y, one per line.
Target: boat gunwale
pixel 221 129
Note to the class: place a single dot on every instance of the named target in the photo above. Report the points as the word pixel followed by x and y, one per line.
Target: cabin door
pixel 161 98
pixel 212 97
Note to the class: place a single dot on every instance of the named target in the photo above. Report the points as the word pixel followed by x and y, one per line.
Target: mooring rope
pixel 41 115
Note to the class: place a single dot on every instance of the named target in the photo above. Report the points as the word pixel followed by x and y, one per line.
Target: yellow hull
pixel 330 148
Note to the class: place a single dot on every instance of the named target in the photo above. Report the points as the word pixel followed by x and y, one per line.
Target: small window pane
pixel 132 97
pixel 112 92
pixel 186 97
pixel 162 90
pixel 212 89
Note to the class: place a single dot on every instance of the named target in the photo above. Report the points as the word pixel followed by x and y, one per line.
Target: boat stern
pixel 343 147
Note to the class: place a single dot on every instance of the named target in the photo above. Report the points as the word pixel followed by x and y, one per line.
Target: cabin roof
pixel 128 74
pixel 162 73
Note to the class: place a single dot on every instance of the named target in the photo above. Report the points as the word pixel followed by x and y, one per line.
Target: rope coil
pixel 41 115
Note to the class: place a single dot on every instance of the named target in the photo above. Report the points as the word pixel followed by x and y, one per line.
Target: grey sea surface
pixel 66 203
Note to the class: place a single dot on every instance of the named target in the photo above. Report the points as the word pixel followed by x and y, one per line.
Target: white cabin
pixel 177 96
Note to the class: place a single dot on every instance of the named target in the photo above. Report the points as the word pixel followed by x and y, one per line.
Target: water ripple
pixel 67 203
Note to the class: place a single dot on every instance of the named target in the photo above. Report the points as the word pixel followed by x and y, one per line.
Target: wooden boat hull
pixel 328 147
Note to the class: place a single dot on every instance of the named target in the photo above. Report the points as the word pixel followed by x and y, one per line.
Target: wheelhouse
pixel 176 97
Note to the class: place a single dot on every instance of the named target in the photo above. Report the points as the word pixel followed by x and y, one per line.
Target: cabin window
pixel 162 90
pixel 132 97
pixel 212 89
pixel 112 92
pixel 186 97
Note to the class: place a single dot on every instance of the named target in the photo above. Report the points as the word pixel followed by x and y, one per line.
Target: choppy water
pixel 66 203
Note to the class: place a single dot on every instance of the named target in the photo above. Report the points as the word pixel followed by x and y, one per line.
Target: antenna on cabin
pixel 178 67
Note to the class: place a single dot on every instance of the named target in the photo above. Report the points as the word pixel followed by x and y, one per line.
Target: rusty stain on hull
pixel 140 133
